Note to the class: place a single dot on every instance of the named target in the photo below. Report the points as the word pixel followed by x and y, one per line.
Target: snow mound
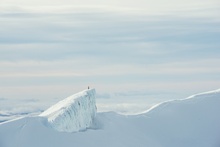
pixel 74 113
pixel 191 122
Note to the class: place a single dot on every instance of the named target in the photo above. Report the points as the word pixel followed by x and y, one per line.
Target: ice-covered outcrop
pixel 74 113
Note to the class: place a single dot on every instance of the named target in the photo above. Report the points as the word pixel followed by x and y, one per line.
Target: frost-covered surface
pixel 74 113
pixel 192 122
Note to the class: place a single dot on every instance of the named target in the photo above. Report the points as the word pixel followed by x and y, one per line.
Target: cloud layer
pixel 53 52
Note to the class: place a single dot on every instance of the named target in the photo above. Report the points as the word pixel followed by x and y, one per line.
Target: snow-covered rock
pixel 74 113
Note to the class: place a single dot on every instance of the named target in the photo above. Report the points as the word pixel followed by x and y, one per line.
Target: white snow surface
pixel 191 122
pixel 74 113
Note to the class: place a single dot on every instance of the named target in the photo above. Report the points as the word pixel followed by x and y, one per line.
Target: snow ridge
pixel 75 113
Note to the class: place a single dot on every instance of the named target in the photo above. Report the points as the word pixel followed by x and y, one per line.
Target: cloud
pixel 107 36
pixel 150 5
pixel 2 99
pixel 123 108
pixel 103 95
pixel 52 52
pixel 102 27
pixel 144 93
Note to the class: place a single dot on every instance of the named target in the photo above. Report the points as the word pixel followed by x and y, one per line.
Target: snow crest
pixel 75 113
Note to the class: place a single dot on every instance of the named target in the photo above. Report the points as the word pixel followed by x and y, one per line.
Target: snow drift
pixel 74 113
pixel 192 122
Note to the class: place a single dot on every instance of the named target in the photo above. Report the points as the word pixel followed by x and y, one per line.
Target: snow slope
pixel 74 113
pixel 192 122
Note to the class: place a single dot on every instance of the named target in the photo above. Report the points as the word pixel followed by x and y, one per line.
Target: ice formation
pixel 74 113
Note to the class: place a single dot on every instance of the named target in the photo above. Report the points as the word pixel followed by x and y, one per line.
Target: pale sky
pixel 130 51
pixel 153 4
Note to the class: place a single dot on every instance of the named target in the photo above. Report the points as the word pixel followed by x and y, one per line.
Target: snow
pixel 74 113
pixel 191 122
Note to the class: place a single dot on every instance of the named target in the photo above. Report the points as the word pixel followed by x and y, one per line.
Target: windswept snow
pixel 191 122
pixel 74 113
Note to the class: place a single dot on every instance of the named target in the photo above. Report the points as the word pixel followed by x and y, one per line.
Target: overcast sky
pixel 130 51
